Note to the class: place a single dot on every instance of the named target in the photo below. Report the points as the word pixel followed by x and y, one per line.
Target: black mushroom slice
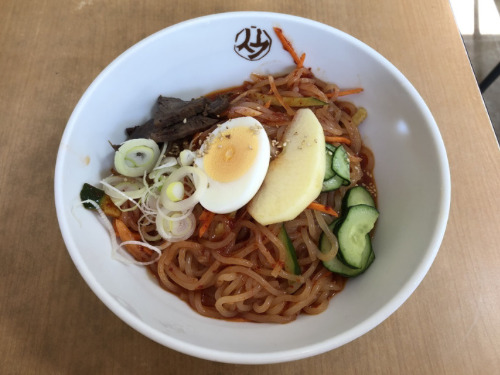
pixel 170 111
pixel 141 131
pixel 175 118
pixel 181 130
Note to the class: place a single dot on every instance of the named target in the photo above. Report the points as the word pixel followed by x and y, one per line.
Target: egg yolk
pixel 231 154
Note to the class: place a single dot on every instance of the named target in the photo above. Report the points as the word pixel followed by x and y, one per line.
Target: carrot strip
pixel 351 91
pixel 288 47
pixel 323 208
pixel 125 234
pixel 330 139
pixel 344 92
pixel 204 215
pixel 301 62
pixel 208 216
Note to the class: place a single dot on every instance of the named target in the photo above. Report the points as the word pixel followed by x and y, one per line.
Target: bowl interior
pixel 197 57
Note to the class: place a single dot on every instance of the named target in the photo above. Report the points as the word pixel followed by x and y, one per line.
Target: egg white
pixel 226 197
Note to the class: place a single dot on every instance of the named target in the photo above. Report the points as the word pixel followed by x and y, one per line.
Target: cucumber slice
pixel 336 264
pixel 337 168
pixel 332 183
pixel 330 147
pixel 354 247
pixel 329 151
pixel 340 164
pixel 358 195
pixel 291 263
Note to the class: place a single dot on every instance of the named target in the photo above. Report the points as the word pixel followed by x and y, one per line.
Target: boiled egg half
pixel 235 158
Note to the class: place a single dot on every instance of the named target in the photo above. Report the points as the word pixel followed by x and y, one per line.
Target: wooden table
pixel 51 322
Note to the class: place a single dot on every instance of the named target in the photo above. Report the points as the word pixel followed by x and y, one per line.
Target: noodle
pixel 237 269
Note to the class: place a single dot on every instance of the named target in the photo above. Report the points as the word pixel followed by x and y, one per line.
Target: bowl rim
pixel 279 355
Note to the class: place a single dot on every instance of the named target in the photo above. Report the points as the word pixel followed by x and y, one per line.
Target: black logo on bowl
pixel 252 43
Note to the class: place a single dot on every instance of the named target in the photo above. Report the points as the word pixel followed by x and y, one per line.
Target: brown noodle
pixel 236 270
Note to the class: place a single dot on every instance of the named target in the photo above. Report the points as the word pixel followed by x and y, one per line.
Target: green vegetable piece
pixel 357 195
pixel 291 263
pixel 354 241
pixel 98 196
pixel 332 183
pixel 329 151
pixel 337 264
pixel 92 193
pixel 340 163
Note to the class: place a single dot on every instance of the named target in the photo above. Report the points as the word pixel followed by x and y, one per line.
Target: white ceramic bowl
pixel 197 57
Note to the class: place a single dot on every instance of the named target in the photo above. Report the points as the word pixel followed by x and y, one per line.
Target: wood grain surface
pixel 51 322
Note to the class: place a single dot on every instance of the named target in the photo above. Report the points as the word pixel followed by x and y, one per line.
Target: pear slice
pixel 294 179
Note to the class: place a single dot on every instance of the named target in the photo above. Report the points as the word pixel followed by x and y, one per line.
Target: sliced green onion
pixel 186 157
pixel 143 222
pixel 121 189
pixel 200 181
pixel 180 228
pixel 166 166
pixel 172 229
pixel 136 156
pixel 175 191
pixel 173 215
